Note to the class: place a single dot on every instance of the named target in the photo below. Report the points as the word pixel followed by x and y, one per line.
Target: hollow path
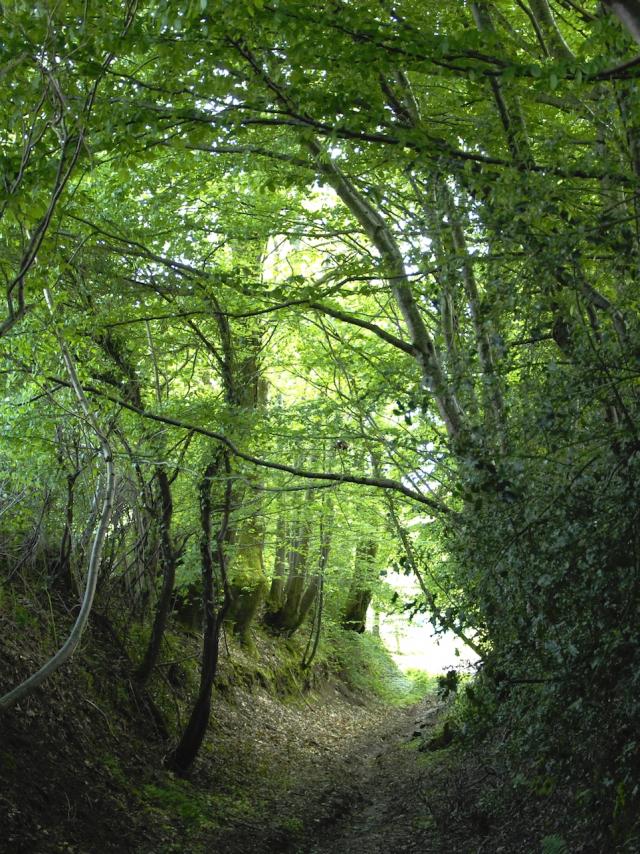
pixel 380 804
pixel 331 774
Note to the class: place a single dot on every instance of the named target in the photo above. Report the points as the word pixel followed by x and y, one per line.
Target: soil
pixel 383 790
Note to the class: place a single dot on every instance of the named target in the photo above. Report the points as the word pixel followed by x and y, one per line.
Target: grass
pixel 367 667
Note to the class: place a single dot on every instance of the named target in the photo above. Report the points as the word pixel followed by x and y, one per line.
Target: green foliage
pixel 112 764
pixel 366 666
pixel 23 616
pixel 291 827
pixel 554 845
pixel 173 798
pixel 423 682
pixel 448 684
pixel 179 798
pixel 397 251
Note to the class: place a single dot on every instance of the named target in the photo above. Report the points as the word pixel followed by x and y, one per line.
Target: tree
pixel 419 225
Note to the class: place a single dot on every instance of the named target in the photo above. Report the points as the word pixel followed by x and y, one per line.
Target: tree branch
pixel 334 477
pixel 405 346
pixel 66 651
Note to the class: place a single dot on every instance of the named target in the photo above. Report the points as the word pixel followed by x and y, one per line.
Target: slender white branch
pixel 66 650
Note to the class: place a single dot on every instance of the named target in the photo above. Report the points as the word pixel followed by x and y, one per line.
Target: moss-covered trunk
pixel 359 597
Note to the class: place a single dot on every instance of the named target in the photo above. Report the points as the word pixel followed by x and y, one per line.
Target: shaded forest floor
pixel 321 768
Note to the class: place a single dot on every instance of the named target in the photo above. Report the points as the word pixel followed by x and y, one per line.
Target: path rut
pixel 380 807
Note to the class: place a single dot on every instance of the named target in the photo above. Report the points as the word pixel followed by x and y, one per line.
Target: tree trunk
pixel 298 597
pixel 213 588
pixel 628 11
pixel 275 598
pixel 62 575
pixel 553 40
pixel 359 598
pixel 245 604
pixel 168 560
pixel 508 107
pixel 375 631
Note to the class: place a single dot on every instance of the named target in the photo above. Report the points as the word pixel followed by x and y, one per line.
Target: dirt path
pixel 305 773
pixel 331 771
pixel 330 776
pixel 380 806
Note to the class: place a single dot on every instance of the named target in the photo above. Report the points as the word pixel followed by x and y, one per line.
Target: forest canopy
pixel 295 293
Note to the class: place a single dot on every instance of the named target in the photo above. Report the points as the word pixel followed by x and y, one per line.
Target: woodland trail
pixel 330 771
pixel 380 802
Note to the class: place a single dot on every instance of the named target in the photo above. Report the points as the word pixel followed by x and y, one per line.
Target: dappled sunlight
pixel 413 645
pixel 319 391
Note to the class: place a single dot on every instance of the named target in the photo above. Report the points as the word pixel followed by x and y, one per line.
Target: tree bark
pixel 214 588
pixel 627 11
pixel 382 238
pixel 275 598
pixel 508 108
pixel 168 561
pixel 360 593
pixel 553 38
pixel 62 575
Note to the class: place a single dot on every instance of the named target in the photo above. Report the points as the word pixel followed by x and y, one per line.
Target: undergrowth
pixel 366 666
